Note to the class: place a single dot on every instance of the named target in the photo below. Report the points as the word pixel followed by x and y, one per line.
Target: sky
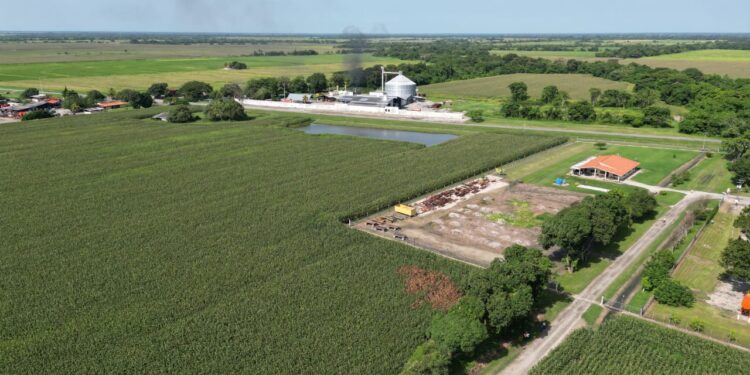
pixel 397 17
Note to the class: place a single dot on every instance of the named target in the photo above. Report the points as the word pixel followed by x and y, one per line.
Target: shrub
pixel 672 293
pixel 476 115
pixel 29 92
pixel 657 270
pixel 235 65
pixel 225 109
pixel 428 359
pixel 697 325
pixel 181 114
pixel 36 115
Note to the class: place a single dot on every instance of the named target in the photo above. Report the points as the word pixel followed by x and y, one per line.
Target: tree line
pixel 497 302
pixel 555 104
pixel 718 105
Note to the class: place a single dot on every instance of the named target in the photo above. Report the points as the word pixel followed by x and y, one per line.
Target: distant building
pixel 22 109
pixel 38 98
pixel 62 112
pixel 298 98
pixel 612 167
pixel 112 104
pixel 366 100
pixel 164 116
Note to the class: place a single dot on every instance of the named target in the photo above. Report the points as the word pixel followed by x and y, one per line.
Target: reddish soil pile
pixel 431 287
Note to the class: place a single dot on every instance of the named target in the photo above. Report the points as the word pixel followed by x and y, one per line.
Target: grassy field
pixel 576 85
pixel 139 74
pixel 138 246
pixel 711 174
pixel 733 63
pixel 629 346
pixel 700 271
pixel 656 164
pixel 38 52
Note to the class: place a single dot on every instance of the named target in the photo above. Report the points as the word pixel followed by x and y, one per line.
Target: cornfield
pixel 627 345
pixel 134 246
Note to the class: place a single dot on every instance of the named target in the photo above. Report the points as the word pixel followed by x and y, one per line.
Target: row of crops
pixel 130 245
pixel 627 345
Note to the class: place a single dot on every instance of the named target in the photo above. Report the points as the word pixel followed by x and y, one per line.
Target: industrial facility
pixel 398 96
pixel 397 92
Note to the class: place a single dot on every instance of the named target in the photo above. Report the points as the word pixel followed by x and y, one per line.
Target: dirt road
pixel 570 318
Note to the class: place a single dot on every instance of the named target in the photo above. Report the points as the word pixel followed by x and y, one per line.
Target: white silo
pixel 401 87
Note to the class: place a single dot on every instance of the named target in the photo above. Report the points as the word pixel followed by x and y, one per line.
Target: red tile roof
pixel 614 164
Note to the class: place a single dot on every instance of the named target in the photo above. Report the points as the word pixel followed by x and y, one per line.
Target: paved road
pixel 570 318
pixel 544 129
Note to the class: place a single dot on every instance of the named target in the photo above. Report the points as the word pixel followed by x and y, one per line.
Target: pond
pixel 427 139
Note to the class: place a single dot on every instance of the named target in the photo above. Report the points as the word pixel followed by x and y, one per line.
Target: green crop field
pixel 137 246
pixel 50 51
pixel 139 74
pixel 576 85
pixel 628 346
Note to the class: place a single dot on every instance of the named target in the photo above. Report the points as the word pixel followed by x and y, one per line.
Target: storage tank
pixel 401 87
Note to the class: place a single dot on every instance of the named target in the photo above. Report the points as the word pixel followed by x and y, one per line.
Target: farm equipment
pixel 405 210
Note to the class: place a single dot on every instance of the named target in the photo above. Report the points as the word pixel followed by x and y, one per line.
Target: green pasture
pixel 576 85
pixel 139 74
pixel 52 51
pixel 131 245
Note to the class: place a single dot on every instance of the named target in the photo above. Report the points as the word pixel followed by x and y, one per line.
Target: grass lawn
pixel 139 74
pixel 131 245
pixel 592 314
pixel 656 164
pixel 711 175
pixel 576 85
pixel 700 271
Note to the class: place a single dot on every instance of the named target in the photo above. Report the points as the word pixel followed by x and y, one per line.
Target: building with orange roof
pixel 112 104
pixel 612 167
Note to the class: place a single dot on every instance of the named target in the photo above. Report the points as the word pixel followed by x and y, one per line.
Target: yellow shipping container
pixel 406 210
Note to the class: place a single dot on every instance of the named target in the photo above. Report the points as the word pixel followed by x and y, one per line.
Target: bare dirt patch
pixel 728 294
pixel 477 230
pixel 431 287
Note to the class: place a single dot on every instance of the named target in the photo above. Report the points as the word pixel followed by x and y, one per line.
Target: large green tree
pixel 317 82
pixel 225 110
pixel 582 112
pixel 519 92
pixel 196 90
pixel 461 329
pixel 736 259
pixel 550 94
